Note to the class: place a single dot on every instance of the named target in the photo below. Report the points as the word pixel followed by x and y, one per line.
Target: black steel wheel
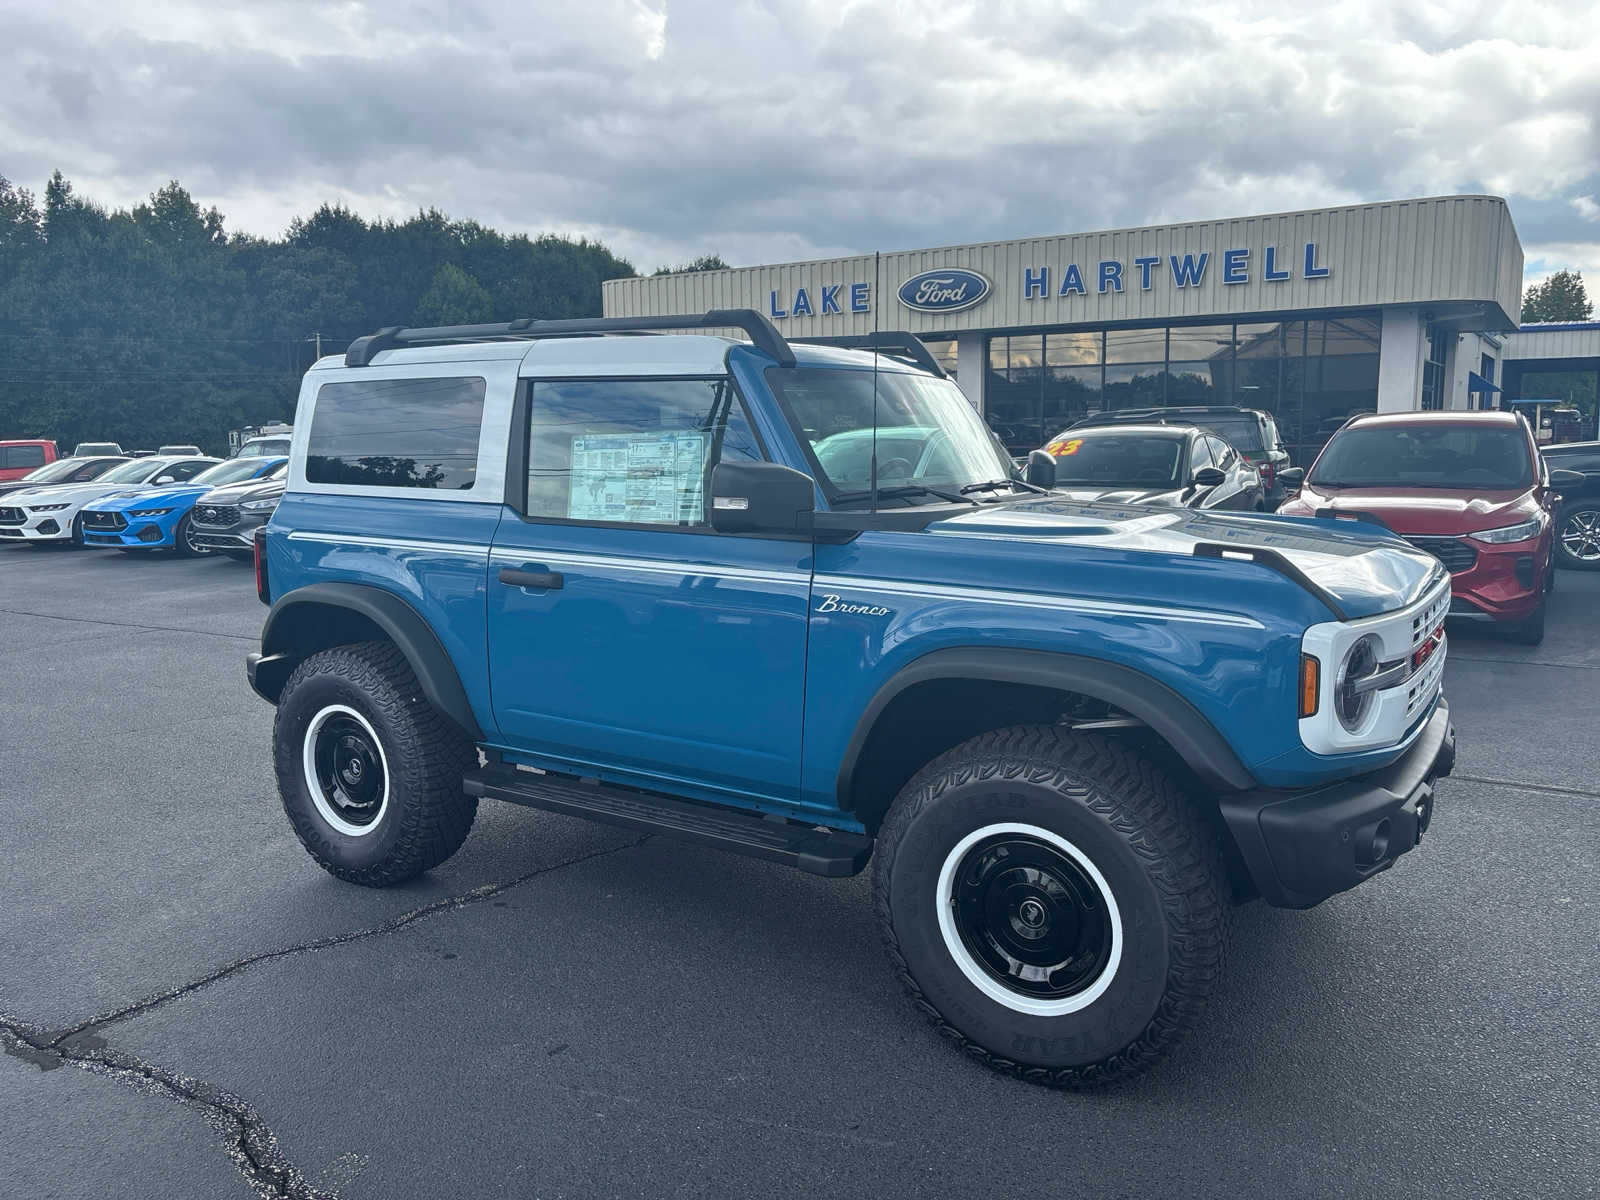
pixel 1052 903
pixel 369 772
pixel 1030 916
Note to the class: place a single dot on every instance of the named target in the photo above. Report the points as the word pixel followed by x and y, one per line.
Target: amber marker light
pixel 1310 685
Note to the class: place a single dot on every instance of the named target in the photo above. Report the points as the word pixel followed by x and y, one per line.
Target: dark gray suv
pixel 226 518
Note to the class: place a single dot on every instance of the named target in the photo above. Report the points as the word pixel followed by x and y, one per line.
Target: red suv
pixel 19 457
pixel 1468 487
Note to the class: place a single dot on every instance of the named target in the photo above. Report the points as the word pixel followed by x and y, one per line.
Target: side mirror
pixel 1292 477
pixel 1210 477
pixel 760 497
pixel 1041 469
pixel 166 479
pixel 1563 478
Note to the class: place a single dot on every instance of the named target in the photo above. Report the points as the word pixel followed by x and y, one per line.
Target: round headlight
pixel 1360 661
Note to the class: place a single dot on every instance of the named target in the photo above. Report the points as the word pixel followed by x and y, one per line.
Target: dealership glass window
pixel 1136 346
pixel 1073 349
pixel 406 433
pixel 1135 385
pixel 1342 335
pixel 1069 393
pixel 944 353
pixel 635 451
pixel 1338 387
pixel 1013 393
pixel 1433 381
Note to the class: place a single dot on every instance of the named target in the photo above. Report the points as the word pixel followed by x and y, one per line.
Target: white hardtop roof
pixel 611 354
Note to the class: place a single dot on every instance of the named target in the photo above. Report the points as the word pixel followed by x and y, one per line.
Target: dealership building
pixel 1312 316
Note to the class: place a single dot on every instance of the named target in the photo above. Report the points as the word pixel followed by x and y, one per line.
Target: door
pixel 626 638
pixel 1238 490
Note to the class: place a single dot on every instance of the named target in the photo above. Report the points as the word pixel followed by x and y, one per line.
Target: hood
pixel 171 495
pixel 1365 569
pixel 245 490
pixel 1126 495
pixel 1424 512
pixel 67 493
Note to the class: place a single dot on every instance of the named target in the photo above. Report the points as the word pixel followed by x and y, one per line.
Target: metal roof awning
pixel 1477 383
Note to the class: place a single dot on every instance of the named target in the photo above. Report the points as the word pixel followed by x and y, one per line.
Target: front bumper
pixel 1301 847
pixel 39 527
pixel 138 533
pixel 241 535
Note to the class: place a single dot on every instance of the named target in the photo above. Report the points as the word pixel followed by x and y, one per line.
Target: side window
pixel 1221 453
pixel 633 451
pixel 186 470
pixel 22 456
pixel 1199 456
pixel 401 433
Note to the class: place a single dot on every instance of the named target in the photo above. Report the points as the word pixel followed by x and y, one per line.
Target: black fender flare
pixel 285 641
pixel 1167 713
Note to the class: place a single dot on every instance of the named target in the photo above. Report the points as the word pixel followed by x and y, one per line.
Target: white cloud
pixel 811 127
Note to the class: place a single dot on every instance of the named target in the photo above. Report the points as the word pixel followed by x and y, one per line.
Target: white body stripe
pixel 1099 608
pixel 855 589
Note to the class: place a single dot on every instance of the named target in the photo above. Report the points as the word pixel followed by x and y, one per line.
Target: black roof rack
pixel 763 333
pixel 899 342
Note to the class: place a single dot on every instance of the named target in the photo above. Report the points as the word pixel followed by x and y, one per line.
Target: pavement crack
pixel 245 1136
pixel 232 637
pixel 394 924
pixel 1548 788
pixel 248 1140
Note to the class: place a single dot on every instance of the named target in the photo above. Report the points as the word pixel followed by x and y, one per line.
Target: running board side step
pixel 831 852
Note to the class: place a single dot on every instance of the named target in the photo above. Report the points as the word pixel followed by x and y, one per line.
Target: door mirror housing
pixel 1292 478
pixel 166 479
pixel 760 497
pixel 1041 469
pixel 1210 477
pixel 1560 478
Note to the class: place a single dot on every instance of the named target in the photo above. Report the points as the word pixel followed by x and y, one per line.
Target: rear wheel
pixel 1052 903
pixel 370 773
pixel 1578 536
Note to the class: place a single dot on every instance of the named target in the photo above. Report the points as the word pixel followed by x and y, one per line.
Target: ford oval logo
pixel 949 290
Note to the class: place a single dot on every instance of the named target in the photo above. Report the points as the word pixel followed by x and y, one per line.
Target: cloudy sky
pixel 770 131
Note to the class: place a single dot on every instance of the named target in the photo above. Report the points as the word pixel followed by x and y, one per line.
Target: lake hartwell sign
pixel 951 289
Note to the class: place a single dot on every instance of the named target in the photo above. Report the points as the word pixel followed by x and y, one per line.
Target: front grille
pixel 104 520
pixel 216 514
pixel 12 516
pixel 1456 554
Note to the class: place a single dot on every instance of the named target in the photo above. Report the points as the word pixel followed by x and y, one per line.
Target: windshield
pixel 1147 459
pixel 270 447
pixel 1426 456
pixel 231 471
pixel 59 469
pixel 1240 432
pixel 136 471
pixel 925 432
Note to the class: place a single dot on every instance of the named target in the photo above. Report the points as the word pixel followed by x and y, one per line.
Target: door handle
pixel 531 579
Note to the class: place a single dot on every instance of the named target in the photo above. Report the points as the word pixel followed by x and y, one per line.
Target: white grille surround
pixel 1393 718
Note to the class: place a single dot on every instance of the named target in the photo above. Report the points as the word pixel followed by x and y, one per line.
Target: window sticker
pixel 1062 449
pixel 652 478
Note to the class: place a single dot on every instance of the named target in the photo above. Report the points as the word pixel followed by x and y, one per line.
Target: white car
pixel 50 514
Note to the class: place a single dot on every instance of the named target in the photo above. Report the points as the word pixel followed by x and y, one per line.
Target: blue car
pixel 159 518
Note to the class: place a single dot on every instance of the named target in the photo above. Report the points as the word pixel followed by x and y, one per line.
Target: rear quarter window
pixel 17 457
pixel 399 433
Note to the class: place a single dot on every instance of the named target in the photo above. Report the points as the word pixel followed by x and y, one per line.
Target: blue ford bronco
pixel 794 601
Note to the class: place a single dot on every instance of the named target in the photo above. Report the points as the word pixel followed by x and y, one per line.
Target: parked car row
pixel 187 503
pixel 1471 488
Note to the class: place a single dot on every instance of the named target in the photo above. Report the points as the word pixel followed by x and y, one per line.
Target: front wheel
pixel 1053 904
pixel 1530 630
pixel 370 773
pixel 1578 536
pixel 183 540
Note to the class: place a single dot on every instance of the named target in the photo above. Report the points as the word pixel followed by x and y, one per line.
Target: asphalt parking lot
pixel 191 1007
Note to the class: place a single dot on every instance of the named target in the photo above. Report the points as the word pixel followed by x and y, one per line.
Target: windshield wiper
pixel 994 485
pixel 913 489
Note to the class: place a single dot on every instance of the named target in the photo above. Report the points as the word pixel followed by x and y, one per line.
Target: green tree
pixel 1561 297
pixel 453 298
pixel 706 262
